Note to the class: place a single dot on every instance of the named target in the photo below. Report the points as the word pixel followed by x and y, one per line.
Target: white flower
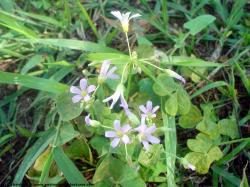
pixel 191 166
pixel 115 97
pixel 171 73
pixel 124 18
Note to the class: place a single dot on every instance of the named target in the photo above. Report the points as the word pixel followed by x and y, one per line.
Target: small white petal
pixel 143 109
pixel 105 67
pixel 75 90
pixel 117 14
pixel 83 84
pixel 76 98
pixel 86 98
pixel 153 139
pixel 115 142
pixel 134 16
pixel 91 88
pixel 117 125
pixel 126 128
pixel 155 109
pixel 146 145
pixel 125 139
pixel 110 134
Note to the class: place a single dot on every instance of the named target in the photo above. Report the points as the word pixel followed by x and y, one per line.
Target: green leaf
pixel 66 108
pixel 40 145
pixel 171 105
pixel 201 144
pixel 187 61
pixel 33 82
pixel 164 85
pixel 100 144
pixel 191 119
pixel 41 159
pixel 184 103
pixel 33 61
pixel 208 127
pixel 228 127
pixel 202 161
pixel 208 87
pixel 70 171
pixel 151 157
pixel 73 44
pixel 66 133
pixel 199 23
pixel 125 175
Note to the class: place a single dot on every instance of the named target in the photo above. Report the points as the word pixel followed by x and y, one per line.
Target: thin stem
pixel 153 65
pixel 234 141
pixel 129 49
pixel 124 72
pixel 107 127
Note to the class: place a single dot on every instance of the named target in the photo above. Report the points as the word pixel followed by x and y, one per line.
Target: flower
pixel 90 122
pixel 83 93
pixel 124 18
pixel 105 73
pixel 119 134
pixel 148 110
pixel 145 135
pixel 118 94
pixel 171 73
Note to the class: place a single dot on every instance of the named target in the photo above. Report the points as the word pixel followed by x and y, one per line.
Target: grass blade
pixel 70 171
pixel 170 147
pixel 40 145
pixel 32 82
pixel 74 44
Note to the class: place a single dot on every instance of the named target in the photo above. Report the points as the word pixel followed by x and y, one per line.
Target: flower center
pixel 142 137
pixel 84 93
pixel 119 134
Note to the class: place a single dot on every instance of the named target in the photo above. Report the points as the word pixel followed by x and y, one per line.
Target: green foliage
pixel 66 109
pixel 191 119
pixel 199 23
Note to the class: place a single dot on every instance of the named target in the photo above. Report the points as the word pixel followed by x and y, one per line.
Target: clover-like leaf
pixel 228 127
pixel 171 105
pixel 191 119
pixel 184 102
pixel 165 85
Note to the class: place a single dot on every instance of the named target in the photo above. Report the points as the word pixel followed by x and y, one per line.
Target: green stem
pixel 170 142
pixel 235 141
pixel 153 65
pixel 129 49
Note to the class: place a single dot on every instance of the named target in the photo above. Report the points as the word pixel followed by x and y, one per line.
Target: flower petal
pixel 140 128
pixel 76 98
pixel 111 71
pixel 126 128
pixel 146 145
pixel 117 125
pixel 143 109
pixel 114 76
pixel 105 67
pixel 135 16
pixel 75 90
pixel 155 109
pixel 125 139
pixel 86 98
pixel 83 84
pixel 117 14
pixel 91 88
pixel 87 120
pixel 115 142
pixel 153 139
pixel 150 129
pixel 110 134
pixel 149 106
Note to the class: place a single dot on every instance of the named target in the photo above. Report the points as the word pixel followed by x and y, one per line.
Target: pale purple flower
pixel 148 110
pixel 124 18
pixel 88 120
pixel 115 97
pixel 105 73
pixel 145 135
pixel 119 134
pixel 82 93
